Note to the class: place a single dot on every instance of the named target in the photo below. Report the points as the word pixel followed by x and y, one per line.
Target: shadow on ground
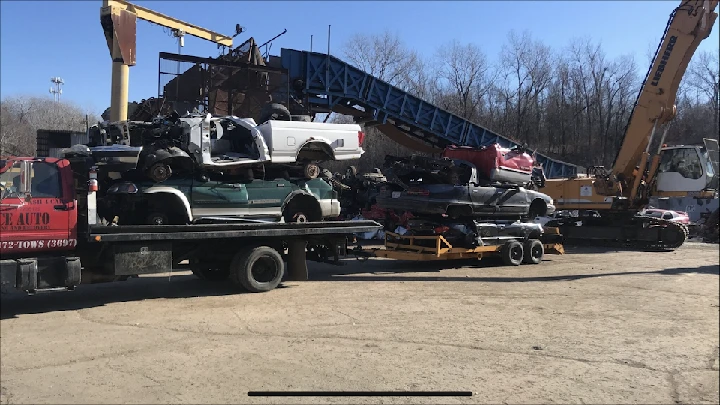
pixel 95 295
pixel 188 286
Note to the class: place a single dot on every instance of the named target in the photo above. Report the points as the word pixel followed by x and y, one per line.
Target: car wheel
pixel 302 209
pixel 276 112
pixel 157 218
pixel 311 170
pixel 159 172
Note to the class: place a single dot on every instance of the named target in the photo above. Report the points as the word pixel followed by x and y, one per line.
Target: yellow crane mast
pixel 119 19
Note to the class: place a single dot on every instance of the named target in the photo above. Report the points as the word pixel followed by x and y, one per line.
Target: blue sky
pixel 39 40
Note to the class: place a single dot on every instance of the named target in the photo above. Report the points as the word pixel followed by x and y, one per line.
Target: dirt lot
pixel 587 327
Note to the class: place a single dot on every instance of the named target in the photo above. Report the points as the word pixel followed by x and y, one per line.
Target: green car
pixel 188 200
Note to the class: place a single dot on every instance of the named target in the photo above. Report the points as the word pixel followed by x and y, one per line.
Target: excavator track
pixel 637 232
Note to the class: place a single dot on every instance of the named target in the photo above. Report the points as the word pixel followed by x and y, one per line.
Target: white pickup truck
pixel 223 143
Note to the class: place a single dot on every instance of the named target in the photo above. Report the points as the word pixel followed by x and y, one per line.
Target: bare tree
pixel 384 56
pixel 23 116
pixel 463 73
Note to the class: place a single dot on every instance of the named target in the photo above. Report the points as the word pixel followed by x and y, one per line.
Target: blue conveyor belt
pixel 334 85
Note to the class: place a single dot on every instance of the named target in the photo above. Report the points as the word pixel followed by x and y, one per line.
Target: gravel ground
pixel 591 326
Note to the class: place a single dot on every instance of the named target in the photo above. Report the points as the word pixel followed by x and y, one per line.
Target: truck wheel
pixel 302 209
pixel 258 269
pixel 512 253
pixel 311 170
pixel 159 172
pixel 533 251
pixel 274 111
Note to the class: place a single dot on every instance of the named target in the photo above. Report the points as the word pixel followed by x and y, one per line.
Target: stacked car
pixel 194 168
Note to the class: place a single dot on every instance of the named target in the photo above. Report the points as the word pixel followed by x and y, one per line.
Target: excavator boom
pixel 689 24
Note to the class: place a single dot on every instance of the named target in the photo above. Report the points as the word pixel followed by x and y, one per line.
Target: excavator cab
pixel 688 168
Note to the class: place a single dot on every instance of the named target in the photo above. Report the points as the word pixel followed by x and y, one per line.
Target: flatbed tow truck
pixel 51 238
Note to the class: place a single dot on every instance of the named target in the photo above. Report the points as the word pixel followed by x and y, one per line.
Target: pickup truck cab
pixel 188 200
pixel 464 194
pixel 167 145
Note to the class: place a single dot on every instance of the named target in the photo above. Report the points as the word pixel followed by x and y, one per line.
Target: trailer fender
pixel 175 192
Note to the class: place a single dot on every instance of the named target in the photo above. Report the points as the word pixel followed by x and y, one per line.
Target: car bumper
pixel 550 209
pixel 330 208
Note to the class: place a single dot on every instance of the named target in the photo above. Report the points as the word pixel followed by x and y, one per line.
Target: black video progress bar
pixel 360 394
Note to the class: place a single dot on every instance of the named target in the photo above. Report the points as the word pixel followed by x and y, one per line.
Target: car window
pixel 668 215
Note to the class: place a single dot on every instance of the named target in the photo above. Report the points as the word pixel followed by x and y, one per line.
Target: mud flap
pixel 296 260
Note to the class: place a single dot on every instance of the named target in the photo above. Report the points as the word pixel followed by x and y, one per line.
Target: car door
pixel 219 198
pixel 265 197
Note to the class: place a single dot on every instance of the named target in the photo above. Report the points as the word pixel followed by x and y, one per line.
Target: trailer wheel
pixel 257 269
pixel 533 251
pixel 512 253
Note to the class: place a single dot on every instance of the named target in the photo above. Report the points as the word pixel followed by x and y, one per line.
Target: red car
pixel 675 216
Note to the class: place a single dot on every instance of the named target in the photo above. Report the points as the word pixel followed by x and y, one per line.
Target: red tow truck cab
pixel 37 206
pixel 496 163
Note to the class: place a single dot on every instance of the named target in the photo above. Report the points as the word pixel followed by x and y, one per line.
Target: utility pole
pixel 57 90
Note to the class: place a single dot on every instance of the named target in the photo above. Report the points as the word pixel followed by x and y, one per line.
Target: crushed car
pixel 456 189
pixel 206 143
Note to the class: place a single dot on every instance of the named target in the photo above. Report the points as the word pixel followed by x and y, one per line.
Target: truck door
pixel 40 220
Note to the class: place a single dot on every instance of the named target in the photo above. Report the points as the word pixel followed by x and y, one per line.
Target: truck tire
pixel 274 111
pixel 512 253
pixel 257 269
pixel 533 251
pixel 302 208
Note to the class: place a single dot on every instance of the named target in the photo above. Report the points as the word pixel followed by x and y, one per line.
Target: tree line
pixel 22 116
pixel 571 103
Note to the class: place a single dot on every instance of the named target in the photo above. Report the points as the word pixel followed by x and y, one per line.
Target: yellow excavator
pixel 608 202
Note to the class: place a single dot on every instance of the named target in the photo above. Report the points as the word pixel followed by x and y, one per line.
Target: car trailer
pixel 514 251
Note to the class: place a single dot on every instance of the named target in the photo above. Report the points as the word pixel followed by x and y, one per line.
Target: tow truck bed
pixel 132 233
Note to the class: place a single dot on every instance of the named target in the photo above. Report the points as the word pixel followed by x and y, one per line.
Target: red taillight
pixel 93 183
pixel 361 137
